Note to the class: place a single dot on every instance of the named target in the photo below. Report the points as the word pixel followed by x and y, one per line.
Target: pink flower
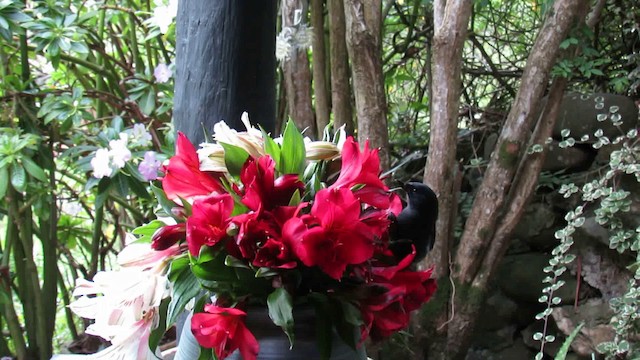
pixel 183 177
pixel 162 73
pixel 149 166
pixel 223 329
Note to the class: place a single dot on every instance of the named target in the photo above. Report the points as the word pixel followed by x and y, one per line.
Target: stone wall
pixel 508 320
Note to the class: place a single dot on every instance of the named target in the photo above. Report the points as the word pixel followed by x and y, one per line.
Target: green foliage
pixel 80 83
pixel 280 305
pixel 608 202
pixel 292 152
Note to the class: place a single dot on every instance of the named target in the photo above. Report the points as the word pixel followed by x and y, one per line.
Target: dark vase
pixel 274 344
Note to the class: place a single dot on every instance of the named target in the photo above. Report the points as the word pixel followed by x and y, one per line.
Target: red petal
pixel 248 344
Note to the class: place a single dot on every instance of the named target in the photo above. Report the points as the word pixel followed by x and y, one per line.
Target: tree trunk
pixel 448 40
pixel 319 66
pixel 225 64
pixel 498 205
pixel 363 24
pixel 297 74
pixel 340 86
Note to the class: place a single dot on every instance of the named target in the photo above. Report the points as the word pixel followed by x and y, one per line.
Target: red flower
pixel 183 177
pixel 359 167
pixel 261 190
pixel 363 168
pixel 333 236
pixel 167 236
pixel 405 291
pixel 208 223
pixel 223 329
pixel 259 240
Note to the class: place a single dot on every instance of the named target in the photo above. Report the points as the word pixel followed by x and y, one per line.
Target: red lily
pixel 262 190
pixel 359 167
pixel 333 236
pixel 183 177
pixel 167 236
pixel 259 241
pixel 224 330
pixel 209 220
pixel 406 291
pixel 363 168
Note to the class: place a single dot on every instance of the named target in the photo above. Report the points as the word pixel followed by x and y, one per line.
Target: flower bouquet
pixel 251 221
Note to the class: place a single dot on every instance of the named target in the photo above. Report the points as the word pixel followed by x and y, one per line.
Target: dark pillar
pixel 225 64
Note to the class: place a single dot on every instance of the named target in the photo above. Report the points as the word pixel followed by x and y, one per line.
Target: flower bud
pixel 167 236
pixel 321 150
pixel 178 212
pixel 211 157
pixel 232 229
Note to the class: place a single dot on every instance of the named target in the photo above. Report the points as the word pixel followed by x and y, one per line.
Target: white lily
pixel 249 140
pixel 124 305
pixel 211 157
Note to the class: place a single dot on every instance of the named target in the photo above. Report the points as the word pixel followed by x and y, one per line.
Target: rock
pixel 545 240
pixel 580 114
pixel 591 232
pixel 604 153
pixel 602 269
pixel 495 340
pixel 569 158
pixel 595 313
pixel 537 217
pixel 516 351
pixel 498 312
pixel 520 278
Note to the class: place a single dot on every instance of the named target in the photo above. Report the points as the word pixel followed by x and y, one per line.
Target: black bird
pixel 416 223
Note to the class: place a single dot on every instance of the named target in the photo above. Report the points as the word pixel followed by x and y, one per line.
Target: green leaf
pixel 271 148
pixel 146 231
pixel 185 288
pixel 351 313
pixel 324 325
pixel 207 354
pixel 210 266
pixel 231 261
pixel 4 182
pixel 266 272
pixel 104 185
pixel 157 333
pixel 164 202
pixel 122 186
pixel 234 158
pixel 148 102
pixel 564 349
pixel 177 267
pixel 18 177
pixel 568 42
pixel 280 305
pixel 117 123
pixel 347 319
pixel 295 198
pixel 293 153
pixel 33 169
